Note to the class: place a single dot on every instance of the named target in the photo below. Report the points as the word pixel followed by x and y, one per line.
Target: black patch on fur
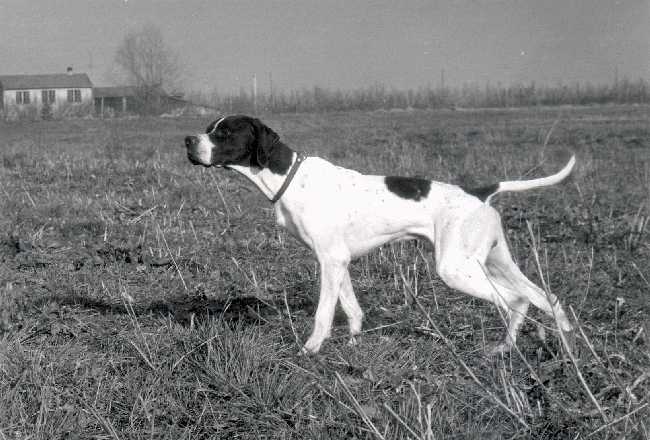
pixel 243 140
pixel 279 158
pixel 482 192
pixel 412 188
pixel 269 152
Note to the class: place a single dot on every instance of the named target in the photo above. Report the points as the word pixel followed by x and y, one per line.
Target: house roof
pixel 114 92
pixel 48 81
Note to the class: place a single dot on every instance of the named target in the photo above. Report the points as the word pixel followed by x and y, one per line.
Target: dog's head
pixel 238 140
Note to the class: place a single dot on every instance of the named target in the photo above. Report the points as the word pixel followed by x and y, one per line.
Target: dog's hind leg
pixel 504 269
pixel 467 274
pixel 461 254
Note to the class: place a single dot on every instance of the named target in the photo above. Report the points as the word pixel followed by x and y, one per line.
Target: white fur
pixel 341 214
pixel 523 185
pixel 203 150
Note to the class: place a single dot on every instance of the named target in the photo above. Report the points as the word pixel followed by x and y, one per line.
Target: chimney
pixel 69 70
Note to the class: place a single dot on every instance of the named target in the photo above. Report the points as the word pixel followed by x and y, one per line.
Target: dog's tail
pixel 486 193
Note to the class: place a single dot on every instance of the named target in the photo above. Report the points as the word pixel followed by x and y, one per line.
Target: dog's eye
pixel 221 134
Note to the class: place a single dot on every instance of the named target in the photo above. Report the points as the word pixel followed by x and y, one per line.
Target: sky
pixel 339 44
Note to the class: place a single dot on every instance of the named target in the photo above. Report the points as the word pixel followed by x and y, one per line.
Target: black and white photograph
pixel 301 219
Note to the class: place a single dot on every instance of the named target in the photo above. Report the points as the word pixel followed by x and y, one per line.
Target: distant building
pixel 110 101
pixel 120 100
pixel 45 96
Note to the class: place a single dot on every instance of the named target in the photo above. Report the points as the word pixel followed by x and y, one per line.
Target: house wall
pixel 60 104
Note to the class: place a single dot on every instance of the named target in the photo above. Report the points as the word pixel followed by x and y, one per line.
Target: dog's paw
pixel 566 326
pixel 570 338
pixel 304 352
pixel 352 342
pixel 312 346
pixel 499 349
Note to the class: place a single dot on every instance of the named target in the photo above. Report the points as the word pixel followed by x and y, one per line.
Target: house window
pixel 74 95
pixel 22 98
pixel 48 96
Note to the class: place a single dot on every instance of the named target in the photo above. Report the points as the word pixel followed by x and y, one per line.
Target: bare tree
pixel 149 64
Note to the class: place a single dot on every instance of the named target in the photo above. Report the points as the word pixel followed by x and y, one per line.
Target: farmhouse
pixel 45 96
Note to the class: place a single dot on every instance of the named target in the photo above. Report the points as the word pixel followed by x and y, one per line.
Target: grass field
pixel 142 297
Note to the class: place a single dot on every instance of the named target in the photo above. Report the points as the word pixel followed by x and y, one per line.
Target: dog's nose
pixel 191 141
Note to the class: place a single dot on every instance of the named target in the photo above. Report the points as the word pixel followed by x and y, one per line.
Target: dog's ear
pixel 264 142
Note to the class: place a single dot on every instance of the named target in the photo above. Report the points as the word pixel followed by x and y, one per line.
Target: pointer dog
pixel 341 214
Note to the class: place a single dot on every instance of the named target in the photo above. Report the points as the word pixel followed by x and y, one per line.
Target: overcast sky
pixel 339 43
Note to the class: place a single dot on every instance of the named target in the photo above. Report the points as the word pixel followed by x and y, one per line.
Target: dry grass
pixel 141 297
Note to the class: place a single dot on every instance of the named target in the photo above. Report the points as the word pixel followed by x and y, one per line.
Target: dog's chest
pixel 285 219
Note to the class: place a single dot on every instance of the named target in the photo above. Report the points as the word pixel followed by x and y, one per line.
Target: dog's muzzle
pixel 191 143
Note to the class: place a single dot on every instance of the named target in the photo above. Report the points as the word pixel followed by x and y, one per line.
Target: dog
pixel 341 214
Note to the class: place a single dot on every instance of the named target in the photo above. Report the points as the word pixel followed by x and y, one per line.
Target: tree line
pixel 378 97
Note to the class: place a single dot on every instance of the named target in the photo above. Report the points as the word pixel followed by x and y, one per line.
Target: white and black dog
pixel 341 214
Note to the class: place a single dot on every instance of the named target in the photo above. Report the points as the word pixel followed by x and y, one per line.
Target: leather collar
pixel 292 172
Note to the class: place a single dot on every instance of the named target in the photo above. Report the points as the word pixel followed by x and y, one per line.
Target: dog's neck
pixel 268 181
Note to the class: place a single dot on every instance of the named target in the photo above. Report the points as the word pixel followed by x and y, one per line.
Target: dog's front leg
pixel 351 307
pixel 333 274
